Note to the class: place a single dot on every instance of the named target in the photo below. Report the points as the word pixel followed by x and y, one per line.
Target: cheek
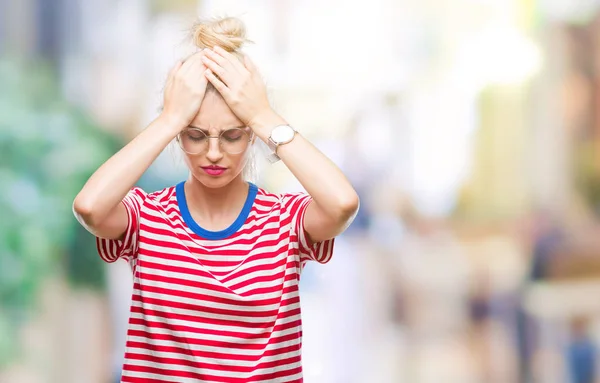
pixel 189 161
pixel 238 162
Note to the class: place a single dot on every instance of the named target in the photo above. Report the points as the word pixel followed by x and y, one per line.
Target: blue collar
pixel 214 235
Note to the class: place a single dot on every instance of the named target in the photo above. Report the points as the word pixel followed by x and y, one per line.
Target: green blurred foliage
pixel 48 149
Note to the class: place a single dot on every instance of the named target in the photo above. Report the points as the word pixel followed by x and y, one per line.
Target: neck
pixel 214 204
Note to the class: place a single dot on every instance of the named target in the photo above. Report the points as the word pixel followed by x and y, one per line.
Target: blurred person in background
pixel 216 260
pixel 430 298
pixel 582 352
pixel 546 236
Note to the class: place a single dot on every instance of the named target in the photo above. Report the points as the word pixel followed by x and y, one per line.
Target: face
pixel 215 167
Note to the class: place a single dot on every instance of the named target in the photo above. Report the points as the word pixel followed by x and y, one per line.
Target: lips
pixel 214 170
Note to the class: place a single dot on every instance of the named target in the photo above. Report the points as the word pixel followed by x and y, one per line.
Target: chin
pixel 214 182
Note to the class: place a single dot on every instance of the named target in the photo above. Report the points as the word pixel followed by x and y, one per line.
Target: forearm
pixel 113 180
pixel 322 179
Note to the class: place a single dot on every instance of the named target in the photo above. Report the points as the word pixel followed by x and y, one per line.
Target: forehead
pixel 215 114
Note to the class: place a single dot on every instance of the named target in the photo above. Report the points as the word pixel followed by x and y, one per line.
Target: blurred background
pixel 470 128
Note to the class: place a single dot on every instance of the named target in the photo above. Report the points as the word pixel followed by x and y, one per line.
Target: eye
pixel 233 135
pixel 195 135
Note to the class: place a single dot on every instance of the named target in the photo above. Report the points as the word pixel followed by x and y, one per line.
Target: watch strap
pixel 273 157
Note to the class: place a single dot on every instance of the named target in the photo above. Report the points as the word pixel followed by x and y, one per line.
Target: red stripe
pixel 210 366
pixel 200 308
pixel 211 343
pixel 201 319
pixel 217 288
pixel 221 332
pixel 208 377
pixel 215 355
pixel 129 379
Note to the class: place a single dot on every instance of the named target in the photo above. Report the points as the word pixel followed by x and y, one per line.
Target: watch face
pixel 282 134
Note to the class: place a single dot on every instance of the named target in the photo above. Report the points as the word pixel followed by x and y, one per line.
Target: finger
pixel 186 62
pixel 217 83
pixel 174 70
pixel 192 62
pixel 172 73
pixel 222 61
pixel 230 58
pixel 202 76
pixel 217 69
pixel 249 64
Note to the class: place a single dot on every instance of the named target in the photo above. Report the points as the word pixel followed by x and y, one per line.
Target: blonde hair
pixel 228 33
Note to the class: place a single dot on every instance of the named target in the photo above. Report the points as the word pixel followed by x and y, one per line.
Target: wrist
pixel 265 122
pixel 171 123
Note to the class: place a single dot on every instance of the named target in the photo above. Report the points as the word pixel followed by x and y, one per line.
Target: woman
pixel 216 260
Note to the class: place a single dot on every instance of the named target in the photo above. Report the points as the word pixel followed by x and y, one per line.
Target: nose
pixel 214 153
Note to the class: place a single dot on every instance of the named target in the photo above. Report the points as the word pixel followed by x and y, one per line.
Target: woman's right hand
pixel 184 91
pixel 97 206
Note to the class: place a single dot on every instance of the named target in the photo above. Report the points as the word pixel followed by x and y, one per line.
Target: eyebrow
pixel 221 130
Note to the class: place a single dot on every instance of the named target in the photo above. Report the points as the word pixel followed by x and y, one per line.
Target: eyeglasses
pixel 231 141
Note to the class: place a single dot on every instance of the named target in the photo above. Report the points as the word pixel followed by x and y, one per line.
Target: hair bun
pixel 228 33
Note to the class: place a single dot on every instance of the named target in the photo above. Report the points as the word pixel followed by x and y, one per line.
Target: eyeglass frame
pixel 243 129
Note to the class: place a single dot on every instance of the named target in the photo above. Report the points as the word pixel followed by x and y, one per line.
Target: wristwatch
pixel 280 135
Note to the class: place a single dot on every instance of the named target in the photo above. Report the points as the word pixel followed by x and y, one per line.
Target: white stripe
pixel 232 352
pixel 278 295
pixel 218 327
pixel 146 375
pixel 213 305
pixel 212 316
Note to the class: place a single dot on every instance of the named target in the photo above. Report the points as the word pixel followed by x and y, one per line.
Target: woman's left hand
pixel 239 83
